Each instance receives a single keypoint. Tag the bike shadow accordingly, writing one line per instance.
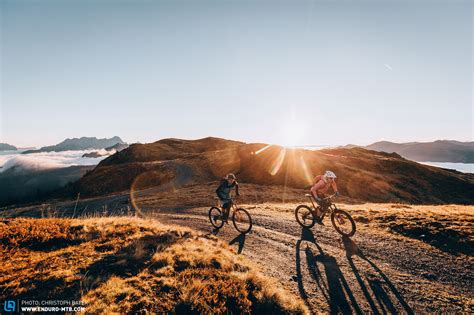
(383, 290)
(329, 278)
(240, 240)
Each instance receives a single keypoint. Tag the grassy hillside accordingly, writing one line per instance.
(363, 174)
(129, 265)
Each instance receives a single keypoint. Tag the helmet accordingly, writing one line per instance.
(330, 174)
(231, 176)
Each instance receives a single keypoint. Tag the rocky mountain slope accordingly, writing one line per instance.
(363, 174)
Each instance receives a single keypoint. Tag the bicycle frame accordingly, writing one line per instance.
(232, 208)
(328, 208)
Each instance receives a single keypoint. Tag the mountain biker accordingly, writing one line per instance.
(321, 186)
(223, 192)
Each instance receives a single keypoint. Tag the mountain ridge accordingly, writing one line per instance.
(7, 147)
(77, 144)
(363, 174)
(437, 151)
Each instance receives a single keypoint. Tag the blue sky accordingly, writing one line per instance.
(287, 72)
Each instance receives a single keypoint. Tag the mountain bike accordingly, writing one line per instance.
(341, 220)
(240, 217)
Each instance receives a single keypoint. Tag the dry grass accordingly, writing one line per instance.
(449, 228)
(129, 265)
(446, 227)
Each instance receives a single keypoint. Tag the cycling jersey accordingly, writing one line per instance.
(321, 186)
(223, 191)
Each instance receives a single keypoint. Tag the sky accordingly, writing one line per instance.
(281, 72)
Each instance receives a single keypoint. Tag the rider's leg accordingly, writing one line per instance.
(226, 206)
(314, 193)
(318, 208)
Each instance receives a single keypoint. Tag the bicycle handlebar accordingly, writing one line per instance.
(330, 197)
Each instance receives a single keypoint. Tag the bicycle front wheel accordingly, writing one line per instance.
(304, 216)
(343, 223)
(242, 220)
(215, 216)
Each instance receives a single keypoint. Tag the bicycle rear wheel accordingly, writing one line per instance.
(215, 216)
(242, 220)
(343, 222)
(304, 216)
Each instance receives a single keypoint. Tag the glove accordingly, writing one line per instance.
(337, 194)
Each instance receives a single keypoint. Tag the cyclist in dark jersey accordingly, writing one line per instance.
(223, 192)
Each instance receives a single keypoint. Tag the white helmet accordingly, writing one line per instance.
(330, 174)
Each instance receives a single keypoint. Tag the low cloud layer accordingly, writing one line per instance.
(49, 160)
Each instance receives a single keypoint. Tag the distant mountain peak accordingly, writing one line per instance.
(79, 144)
(7, 147)
(436, 151)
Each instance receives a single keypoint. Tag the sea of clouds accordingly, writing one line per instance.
(48, 160)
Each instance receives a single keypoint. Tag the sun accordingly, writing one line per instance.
(293, 132)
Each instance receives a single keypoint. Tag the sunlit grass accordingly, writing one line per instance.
(128, 265)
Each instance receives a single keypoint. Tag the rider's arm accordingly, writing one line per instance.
(237, 189)
(334, 187)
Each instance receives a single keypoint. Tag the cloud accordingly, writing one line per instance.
(389, 67)
(49, 160)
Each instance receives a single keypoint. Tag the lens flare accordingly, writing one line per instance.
(263, 149)
(147, 184)
(308, 175)
(135, 190)
(278, 162)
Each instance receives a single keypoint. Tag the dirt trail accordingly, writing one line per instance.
(373, 272)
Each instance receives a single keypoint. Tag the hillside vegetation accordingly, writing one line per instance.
(19, 185)
(129, 265)
(363, 174)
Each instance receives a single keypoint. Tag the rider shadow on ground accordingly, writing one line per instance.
(240, 239)
(335, 289)
(379, 287)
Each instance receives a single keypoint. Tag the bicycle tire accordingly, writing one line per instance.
(348, 216)
(245, 213)
(213, 213)
(299, 209)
